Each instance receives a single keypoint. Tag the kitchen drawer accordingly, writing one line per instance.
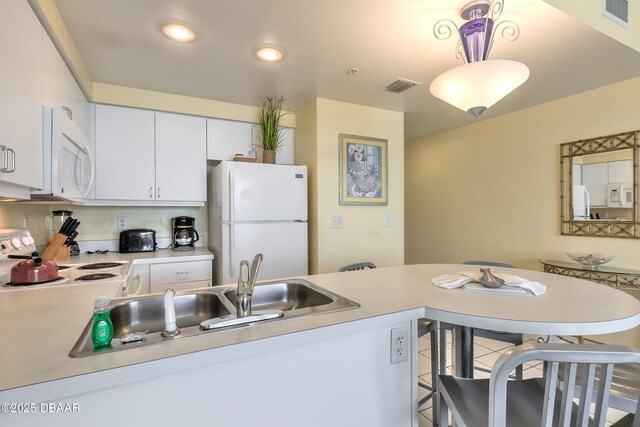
(181, 286)
(178, 272)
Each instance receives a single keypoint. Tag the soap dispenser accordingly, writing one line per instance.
(102, 330)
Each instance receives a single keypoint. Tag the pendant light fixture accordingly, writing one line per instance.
(480, 82)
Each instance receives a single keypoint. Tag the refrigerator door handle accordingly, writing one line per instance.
(232, 198)
(232, 250)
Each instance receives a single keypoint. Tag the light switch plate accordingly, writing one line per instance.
(388, 221)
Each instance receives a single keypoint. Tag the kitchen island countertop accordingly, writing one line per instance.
(40, 328)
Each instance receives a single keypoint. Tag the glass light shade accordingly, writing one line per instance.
(476, 86)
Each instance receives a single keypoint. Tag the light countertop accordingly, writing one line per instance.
(40, 328)
(159, 256)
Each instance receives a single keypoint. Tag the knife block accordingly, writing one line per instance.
(62, 256)
(56, 251)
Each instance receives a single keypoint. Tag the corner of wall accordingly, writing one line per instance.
(306, 153)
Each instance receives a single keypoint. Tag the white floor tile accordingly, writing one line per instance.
(492, 344)
(423, 421)
(424, 343)
(424, 364)
(614, 415)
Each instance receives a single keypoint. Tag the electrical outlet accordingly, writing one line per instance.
(25, 222)
(399, 345)
(336, 221)
(122, 223)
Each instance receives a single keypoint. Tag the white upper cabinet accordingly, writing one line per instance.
(226, 138)
(621, 172)
(125, 153)
(181, 167)
(60, 89)
(143, 155)
(21, 100)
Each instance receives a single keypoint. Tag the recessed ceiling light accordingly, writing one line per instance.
(270, 53)
(179, 32)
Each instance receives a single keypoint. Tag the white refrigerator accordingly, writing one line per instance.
(258, 208)
(580, 203)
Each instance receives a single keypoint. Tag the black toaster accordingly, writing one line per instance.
(138, 240)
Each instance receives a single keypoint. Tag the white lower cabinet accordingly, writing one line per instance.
(181, 276)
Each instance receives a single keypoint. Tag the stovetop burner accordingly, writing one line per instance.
(63, 267)
(100, 265)
(33, 283)
(96, 276)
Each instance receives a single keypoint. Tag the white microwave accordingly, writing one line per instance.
(620, 195)
(67, 159)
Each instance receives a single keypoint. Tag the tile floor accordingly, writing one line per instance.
(486, 352)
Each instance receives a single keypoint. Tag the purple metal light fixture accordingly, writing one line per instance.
(480, 82)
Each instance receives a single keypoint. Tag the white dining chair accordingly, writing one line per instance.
(535, 402)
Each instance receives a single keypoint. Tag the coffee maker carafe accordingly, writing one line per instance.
(185, 235)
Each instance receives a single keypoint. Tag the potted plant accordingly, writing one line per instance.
(271, 135)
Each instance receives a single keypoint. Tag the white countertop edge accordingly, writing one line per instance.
(533, 328)
(107, 378)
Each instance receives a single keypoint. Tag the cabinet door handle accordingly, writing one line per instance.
(5, 159)
(151, 192)
(13, 160)
(158, 192)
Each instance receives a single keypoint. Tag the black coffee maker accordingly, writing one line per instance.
(185, 235)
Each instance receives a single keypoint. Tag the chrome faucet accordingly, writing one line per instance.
(170, 328)
(244, 314)
(245, 287)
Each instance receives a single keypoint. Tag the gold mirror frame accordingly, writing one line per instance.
(597, 228)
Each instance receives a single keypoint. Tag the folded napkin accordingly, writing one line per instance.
(450, 281)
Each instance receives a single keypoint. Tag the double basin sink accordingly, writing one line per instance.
(294, 297)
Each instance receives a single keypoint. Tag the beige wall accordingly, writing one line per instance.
(363, 236)
(306, 153)
(162, 101)
(590, 13)
(491, 190)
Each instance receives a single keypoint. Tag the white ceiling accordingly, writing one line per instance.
(121, 43)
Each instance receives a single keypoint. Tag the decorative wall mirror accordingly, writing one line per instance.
(599, 186)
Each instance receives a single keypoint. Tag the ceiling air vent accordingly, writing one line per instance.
(617, 11)
(401, 85)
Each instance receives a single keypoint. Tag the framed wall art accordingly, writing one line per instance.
(363, 171)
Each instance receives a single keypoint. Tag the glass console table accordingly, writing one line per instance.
(616, 277)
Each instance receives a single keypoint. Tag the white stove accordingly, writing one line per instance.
(20, 242)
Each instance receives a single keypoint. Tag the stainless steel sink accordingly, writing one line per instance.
(146, 314)
(295, 298)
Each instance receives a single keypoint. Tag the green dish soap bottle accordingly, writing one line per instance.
(102, 330)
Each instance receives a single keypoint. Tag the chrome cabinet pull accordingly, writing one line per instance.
(158, 192)
(5, 159)
(13, 160)
(151, 192)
